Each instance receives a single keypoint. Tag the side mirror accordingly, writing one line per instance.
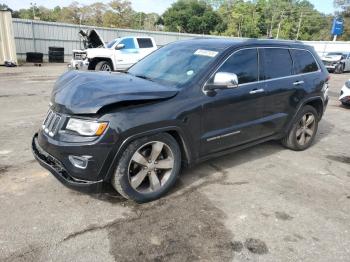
(119, 46)
(223, 80)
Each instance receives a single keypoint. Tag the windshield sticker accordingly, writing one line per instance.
(203, 52)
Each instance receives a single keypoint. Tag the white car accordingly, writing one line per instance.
(337, 62)
(345, 94)
(117, 55)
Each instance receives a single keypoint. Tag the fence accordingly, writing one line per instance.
(37, 36)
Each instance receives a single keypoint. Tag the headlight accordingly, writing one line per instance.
(86, 128)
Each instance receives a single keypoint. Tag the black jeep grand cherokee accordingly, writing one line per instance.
(184, 103)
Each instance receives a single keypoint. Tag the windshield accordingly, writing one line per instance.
(335, 53)
(110, 44)
(174, 64)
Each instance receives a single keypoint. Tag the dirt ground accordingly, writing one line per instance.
(261, 204)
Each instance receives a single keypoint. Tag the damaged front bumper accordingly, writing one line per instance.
(60, 172)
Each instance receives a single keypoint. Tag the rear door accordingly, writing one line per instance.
(306, 67)
(145, 45)
(281, 88)
(233, 116)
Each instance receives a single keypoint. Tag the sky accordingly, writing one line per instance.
(147, 6)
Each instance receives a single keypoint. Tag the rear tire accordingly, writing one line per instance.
(303, 131)
(103, 66)
(148, 168)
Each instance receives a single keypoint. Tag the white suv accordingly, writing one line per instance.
(117, 55)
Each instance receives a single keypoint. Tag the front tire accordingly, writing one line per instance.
(103, 66)
(339, 69)
(148, 168)
(303, 130)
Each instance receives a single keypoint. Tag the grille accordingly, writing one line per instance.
(51, 123)
(327, 63)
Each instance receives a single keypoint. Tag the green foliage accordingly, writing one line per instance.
(191, 16)
(287, 19)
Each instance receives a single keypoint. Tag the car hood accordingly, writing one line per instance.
(77, 92)
(332, 58)
(92, 39)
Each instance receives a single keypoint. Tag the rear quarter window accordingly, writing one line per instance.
(304, 62)
(275, 63)
(145, 42)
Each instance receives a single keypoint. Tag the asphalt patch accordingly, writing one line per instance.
(341, 159)
(256, 246)
(283, 216)
(4, 169)
(237, 246)
(185, 228)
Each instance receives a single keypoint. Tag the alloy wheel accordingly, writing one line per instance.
(105, 67)
(306, 129)
(150, 167)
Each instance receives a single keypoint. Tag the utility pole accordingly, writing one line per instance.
(299, 25)
(33, 5)
(279, 25)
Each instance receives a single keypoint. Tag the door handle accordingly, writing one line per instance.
(298, 83)
(256, 91)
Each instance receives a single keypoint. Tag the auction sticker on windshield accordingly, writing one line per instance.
(203, 52)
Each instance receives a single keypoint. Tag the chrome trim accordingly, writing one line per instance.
(265, 80)
(84, 159)
(298, 83)
(51, 123)
(257, 91)
(223, 136)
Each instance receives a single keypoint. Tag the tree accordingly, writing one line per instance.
(191, 16)
(120, 14)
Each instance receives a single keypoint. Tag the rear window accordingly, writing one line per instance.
(304, 62)
(275, 62)
(144, 42)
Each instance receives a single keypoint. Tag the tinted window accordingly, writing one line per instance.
(144, 42)
(244, 64)
(275, 62)
(128, 43)
(304, 62)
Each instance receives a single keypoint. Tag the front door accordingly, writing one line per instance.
(128, 55)
(233, 116)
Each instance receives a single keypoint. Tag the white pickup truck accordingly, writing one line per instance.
(117, 55)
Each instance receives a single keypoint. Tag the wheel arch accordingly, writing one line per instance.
(176, 132)
(93, 62)
(316, 102)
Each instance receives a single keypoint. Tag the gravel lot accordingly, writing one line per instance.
(261, 204)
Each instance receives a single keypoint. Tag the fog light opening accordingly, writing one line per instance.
(79, 161)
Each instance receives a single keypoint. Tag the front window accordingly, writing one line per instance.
(244, 64)
(128, 43)
(111, 44)
(174, 64)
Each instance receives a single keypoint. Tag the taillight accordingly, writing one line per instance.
(328, 78)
